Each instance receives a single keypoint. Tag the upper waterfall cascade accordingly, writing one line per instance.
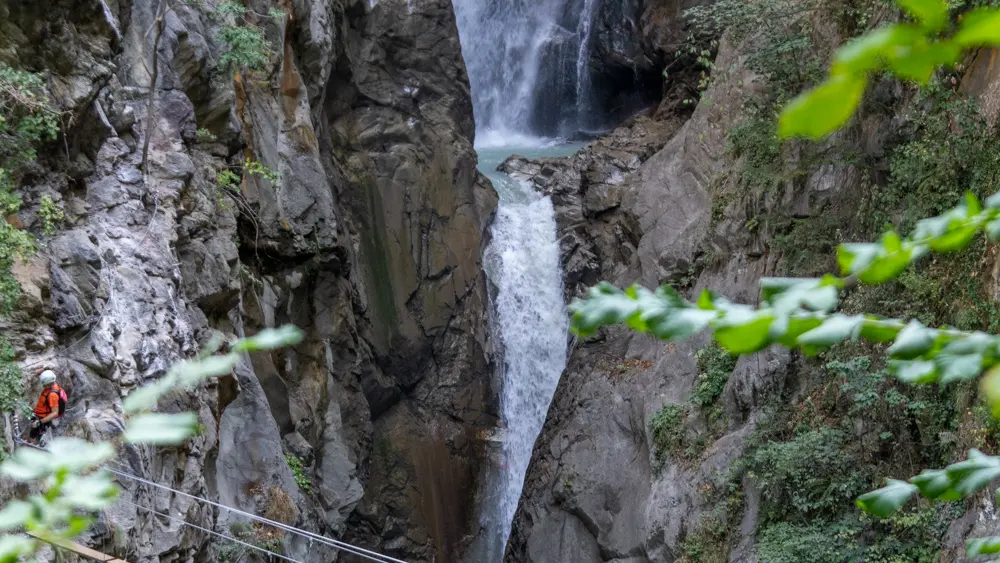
(530, 65)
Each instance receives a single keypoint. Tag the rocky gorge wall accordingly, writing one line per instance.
(672, 452)
(369, 239)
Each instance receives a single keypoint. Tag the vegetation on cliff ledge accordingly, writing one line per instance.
(27, 118)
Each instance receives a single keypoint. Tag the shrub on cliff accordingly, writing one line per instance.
(27, 117)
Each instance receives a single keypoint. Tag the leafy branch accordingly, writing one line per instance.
(73, 481)
(955, 482)
(798, 313)
(912, 51)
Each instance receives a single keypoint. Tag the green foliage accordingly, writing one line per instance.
(695, 447)
(15, 244)
(11, 379)
(784, 54)
(985, 427)
(847, 422)
(818, 541)
(908, 537)
(667, 426)
(912, 535)
(715, 366)
(204, 136)
(670, 437)
(299, 472)
(256, 168)
(27, 117)
(856, 16)
(741, 19)
(755, 140)
(813, 473)
(708, 539)
(878, 398)
(806, 245)
(949, 147)
(950, 150)
(69, 474)
(798, 312)
(911, 50)
(950, 290)
(778, 41)
(247, 46)
(51, 215)
(707, 543)
(230, 179)
(951, 153)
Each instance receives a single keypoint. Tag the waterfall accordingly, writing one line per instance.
(528, 63)
(530, 320)
(528, 66)
(583, 80)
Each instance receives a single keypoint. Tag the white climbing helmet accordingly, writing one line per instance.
(48, 377)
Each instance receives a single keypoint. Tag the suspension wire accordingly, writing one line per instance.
(361, 552)
(343, 546)
(214, 533)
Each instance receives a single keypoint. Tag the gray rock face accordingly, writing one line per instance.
(618, 56)
(369, 239)
(632, 42)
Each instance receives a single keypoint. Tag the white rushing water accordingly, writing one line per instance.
(528, 67)
(584, 103)
(530, 321)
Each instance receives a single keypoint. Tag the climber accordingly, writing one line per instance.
(51, 405)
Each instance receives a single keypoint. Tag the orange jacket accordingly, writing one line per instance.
(48, 401)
